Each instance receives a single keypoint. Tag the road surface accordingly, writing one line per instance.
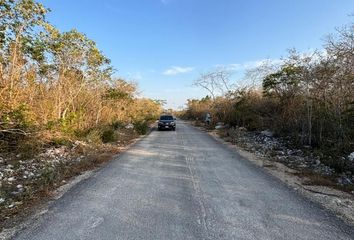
(184, 185)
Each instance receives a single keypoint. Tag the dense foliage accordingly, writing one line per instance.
(58, 81)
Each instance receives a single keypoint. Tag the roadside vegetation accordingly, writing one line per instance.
(59, 102)
(305, 100)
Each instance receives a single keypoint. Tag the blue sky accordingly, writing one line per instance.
(165, 44)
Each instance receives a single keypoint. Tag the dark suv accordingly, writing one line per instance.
(166, 122)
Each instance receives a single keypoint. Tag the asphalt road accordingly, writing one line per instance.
(184, 185)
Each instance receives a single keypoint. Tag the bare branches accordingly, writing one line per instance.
(256, 75)
(14, 131)
(215, 82)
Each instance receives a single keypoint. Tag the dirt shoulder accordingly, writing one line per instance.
(318, 187)
(29, 187)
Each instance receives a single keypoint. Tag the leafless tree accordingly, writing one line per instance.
(216, 82)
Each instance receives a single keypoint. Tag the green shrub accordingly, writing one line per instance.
(62, 141)
(48, 175)
(141, 127)
(19, 117)
(108, 135)
(117, 125)
(50, 125)
(94, 136)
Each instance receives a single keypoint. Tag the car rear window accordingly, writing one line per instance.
(166, 118)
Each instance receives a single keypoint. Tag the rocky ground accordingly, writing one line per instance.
(25, 182)
(265, 144)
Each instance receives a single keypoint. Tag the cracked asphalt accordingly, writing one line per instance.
(183, 185)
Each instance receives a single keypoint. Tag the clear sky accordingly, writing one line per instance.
(165, 44)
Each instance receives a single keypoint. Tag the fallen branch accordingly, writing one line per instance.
(14, 131)
(7, 123)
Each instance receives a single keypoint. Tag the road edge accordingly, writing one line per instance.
(43, 207)
(333, 203)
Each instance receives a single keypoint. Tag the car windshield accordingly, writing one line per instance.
(166, 118)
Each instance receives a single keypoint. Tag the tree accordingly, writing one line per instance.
(18, 42)
(57, 80)
(215, 82)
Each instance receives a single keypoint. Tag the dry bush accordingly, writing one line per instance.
(58, 82)
(308, 98)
